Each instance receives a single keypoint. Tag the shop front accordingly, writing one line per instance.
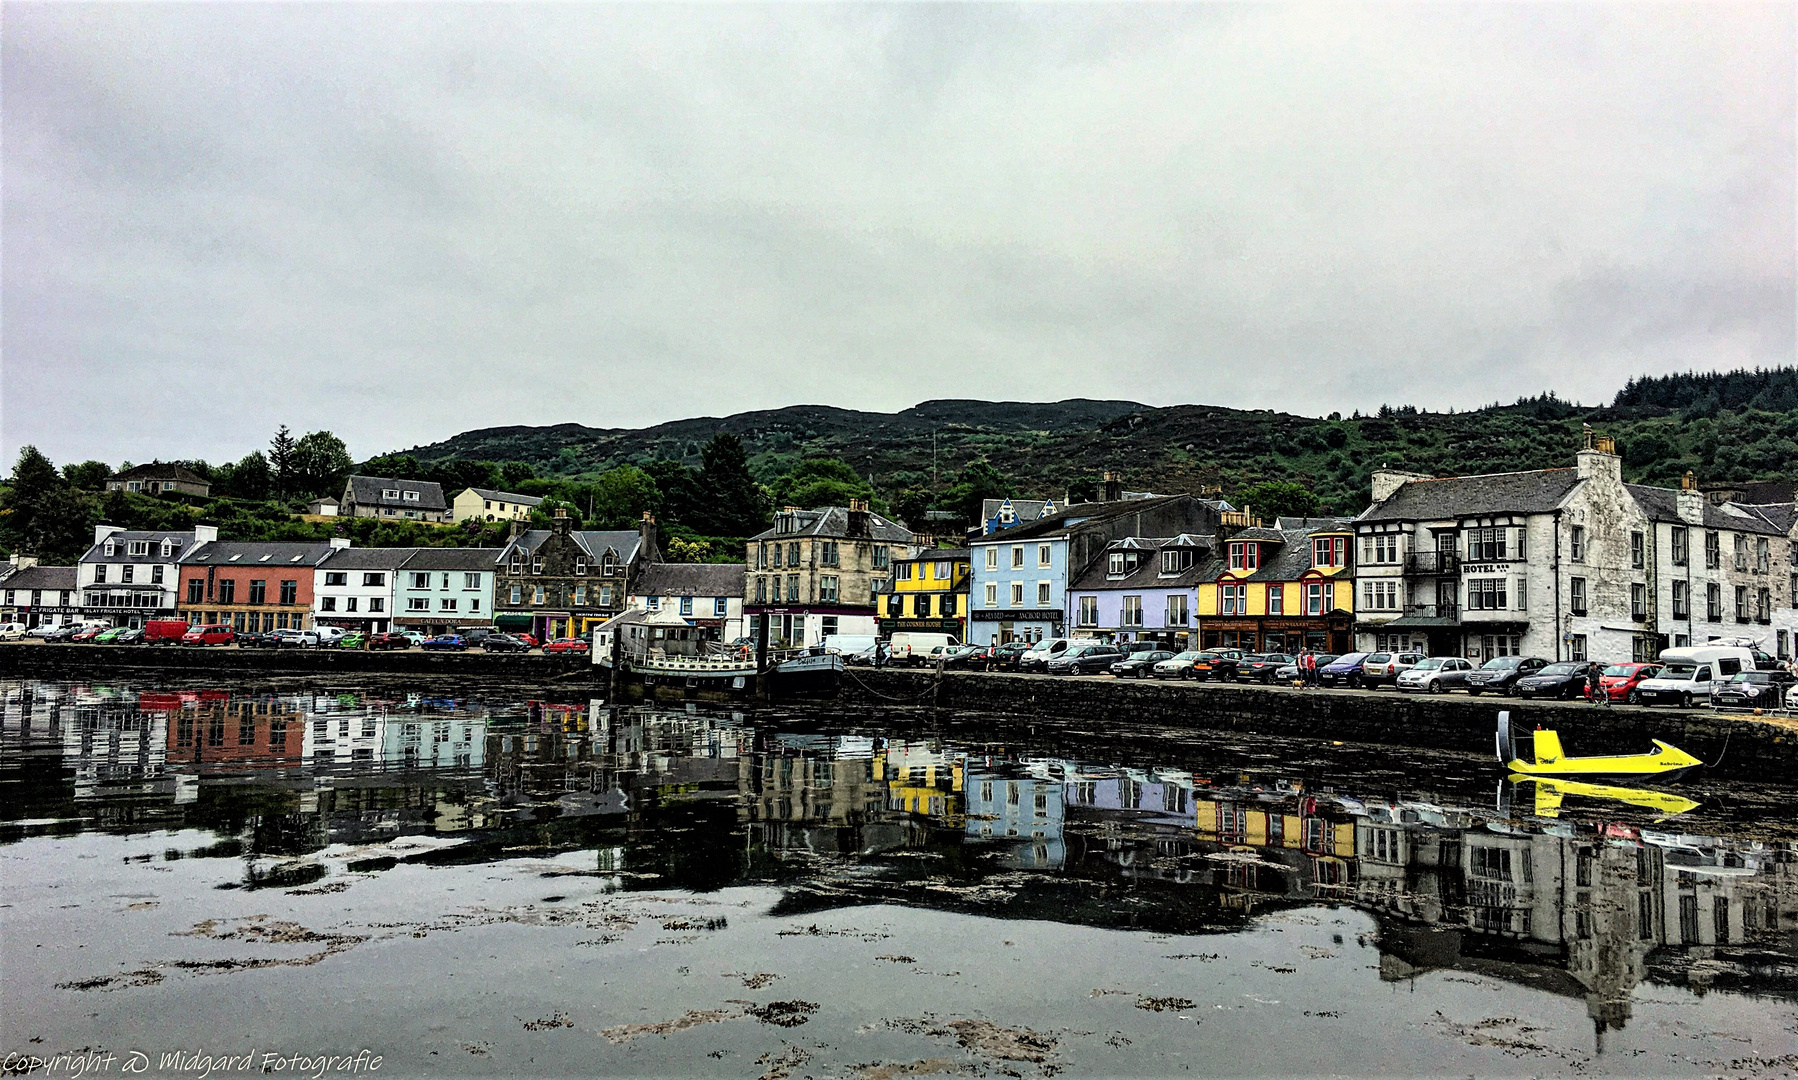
(1332, 633)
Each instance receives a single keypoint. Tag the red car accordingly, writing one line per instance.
(530, 640)
(217, 634)
(1620, 680)
(567, 645)
(88, 635)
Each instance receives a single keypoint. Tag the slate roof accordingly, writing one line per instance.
(250, 553)
(47, 578)
(507, 496)
(832, 523)
(690, 579)
(159, 470)
(97, 553)
(1026, 510)
(938, 555)
(593, 541)
(1294, 557)
(1147, 574)
(353, 558)
(466, 559)
(366, 491)
(1063, 520)
(1534, 492)
(1662, 504)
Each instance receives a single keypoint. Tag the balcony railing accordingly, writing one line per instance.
(1432, 562)
(1433, 611)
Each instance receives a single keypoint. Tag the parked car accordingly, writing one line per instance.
(1383, 669)
(393, 639)
(1085, 660)
(1290, 672)
(355, 639)
(418, 638)
(564, 645)
(211, 634)
(1436, 675)
(1345, 670)
(330, 636)
(504, 643)
(1619, 681)
(475, 635)
(1138, 665)
(109, 635)
(1004, 656)
(1265, 667)
(1751, 690)
(531, 639)
(1217, 664)
(165, 631)
(89, 634)
(12, 631)
(446, 643)
(65, 632)
(257, 640)
(1565, 680)
(1680, 682)
(914, 649)
(129, 635)
(1176, 666)
(964, 656)
(294, 638)
(1500, 674)
(1037, 656)
(43, 630)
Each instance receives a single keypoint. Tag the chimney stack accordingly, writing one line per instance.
(858, 517)
(1689, 502)
(562, 524)
(646, 529)
(1114, 487)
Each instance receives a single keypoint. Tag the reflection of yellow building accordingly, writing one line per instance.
(922, 781)
(930, 594)
(1236, 823)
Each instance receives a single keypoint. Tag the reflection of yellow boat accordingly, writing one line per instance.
(1550, 793)
(1551, 760)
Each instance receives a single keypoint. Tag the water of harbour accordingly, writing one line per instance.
(499, 884)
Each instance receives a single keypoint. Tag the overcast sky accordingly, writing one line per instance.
(404, 222)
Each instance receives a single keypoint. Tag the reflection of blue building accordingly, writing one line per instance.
(1028, 808)
(1134, 789)
(433, 742)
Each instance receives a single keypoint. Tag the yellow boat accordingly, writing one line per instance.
(1552, 760)
(1551, 793)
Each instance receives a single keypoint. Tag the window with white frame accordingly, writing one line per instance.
(1176, 560)
(686, 606)
(902, 571)
(1320, 598)
(1244, 555)
(1042, 594)
(423, 603)
(1682, 601)
(1176, 609)
(1017, 556)
(992, 594)
(1017, 594)
(1042, 554)
(517, 596)
(1276, 600)
(827, 589)
(992, 558)
(1380, 595)
(1488, 594)
(1232, 599)
(421, 581)
(1329, 550)
(1576, 595)
(536, 564)
(1115, 564)
(537, 595)
(1638, 600)
(374, 580)
(1132, 612)
(1089, 611)
(720, 606)
(138, 548)
(580, 595)
(1576, 543)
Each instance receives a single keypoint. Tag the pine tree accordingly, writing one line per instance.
(733, 503)
(280, 460)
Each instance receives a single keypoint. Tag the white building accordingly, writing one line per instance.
(127, 578)
(709, 596)
(354, 588)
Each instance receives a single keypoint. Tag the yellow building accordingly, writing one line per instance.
(483, 504)
(1279, 589)
(929, 593)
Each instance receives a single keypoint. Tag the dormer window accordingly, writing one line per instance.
(410, 496)
(580, 564)
(111, 549)
(536, 564)
(168, 548)
(1329, 551)
(1176, 560)
(1116, 569)
(1245, 555)
(610, 566)
(139, 548)
(517, 566)
(390, 493)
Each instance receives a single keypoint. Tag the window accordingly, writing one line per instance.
(448, 603)
(537, 594)
(390, 493)
(1276, 600)
(516, 598)
(1176, 610)
(827, 553)
(1713, 551)
(327, 603)
(827, 592)
(1576, 543)
(1682, 601)
(1017, 594)
(720, 606)
(112, 549)
(778, 550)
(895, 606)
(1741, 550)
(375, 603)
(196, 590)
(1017, 556)
(1741, 603)
(902, 572)
(100, 574)
(992, 594)
(1244, 555)
(228, 591)
(1763, 555)
(1132, 615)
(1576, 596)
(761, 590)
(1042, 594)
(128, 574)
(409, 496)
(1042, 554)
(1763, 605)
(580, 565)
(423, 603)
(1678, 543)
(793, 553)
(921, 606)
(1577, 650)
(421, 581)
(349, 603)
(1489, 594)
(536, 564)
(944, 571)
(1115, 564)
(138, 549)
(1380, 548)
(1487, 545)
(470, 582)
(1329, 550)
(1713, 602)
(1232, 599)
(1785, 649)
(516, 566)
(258, 591)
(1320, 599)
(156, 574)
(336, 579)
(1176, 560)
(761, 557)
(1638, 601)
(1638, 550)
(580, 596)
(992, 558)
(1380, 595)
(792, 588)
(652, 603)
(881, 557)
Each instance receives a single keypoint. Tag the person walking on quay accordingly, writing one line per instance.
(1595, 691)
(1308, 668)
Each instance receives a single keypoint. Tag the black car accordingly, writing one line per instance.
(1137, 664)
(1500, 674)
(1264, 667)
(64, 632)
(1565, 680)
(256, 640)
(966, 657)
(1084, 660)
(1004, 657)
(1224, 666)
(1752, 690)
(503, 643)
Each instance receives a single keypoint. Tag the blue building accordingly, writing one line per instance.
(1020, 576)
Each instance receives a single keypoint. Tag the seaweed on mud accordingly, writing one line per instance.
(922, 1067)
(557, 1019)
(781, 1067)
(1164, 1004)
(692, 1018)
(782, 1013)
(1011, 1044)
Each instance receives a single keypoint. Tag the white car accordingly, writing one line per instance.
(1037, 657)
(1681, 682)
(1175, 667)
(1435, 674)
(297, 639)
(12, 631)
(328, 635)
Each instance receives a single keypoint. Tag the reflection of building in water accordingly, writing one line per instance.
(922, 779)
(1003, 804)
(114, 747)
(350, 731)
(1277, 843)
(214, 728)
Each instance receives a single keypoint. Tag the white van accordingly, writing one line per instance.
(850, 644)
(1037, 657)
(910, 648)
(12, 631)
(1687, 674)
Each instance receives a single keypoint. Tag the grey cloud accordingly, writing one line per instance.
(401, 222)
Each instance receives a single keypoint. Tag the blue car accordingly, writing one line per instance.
(1345, 670)
(449, 642)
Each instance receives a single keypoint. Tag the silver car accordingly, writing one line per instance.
(1436, 675)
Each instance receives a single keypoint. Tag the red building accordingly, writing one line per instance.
(258, 586)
